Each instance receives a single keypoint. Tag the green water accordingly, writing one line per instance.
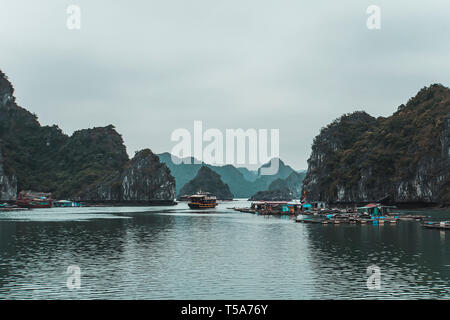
(176, 253)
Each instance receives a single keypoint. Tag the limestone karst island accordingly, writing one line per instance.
(224, 159)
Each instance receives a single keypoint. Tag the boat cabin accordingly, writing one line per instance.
(318, 204)
(202, 200)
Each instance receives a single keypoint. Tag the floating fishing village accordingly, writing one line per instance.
(317, 213)
(302, 211)
(36, 200)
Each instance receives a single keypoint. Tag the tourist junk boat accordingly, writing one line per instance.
(202, 200)
(29, 199)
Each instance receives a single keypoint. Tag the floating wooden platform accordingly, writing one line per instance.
(348, 220)
(247, 210)
(309, 220)
(411, 217)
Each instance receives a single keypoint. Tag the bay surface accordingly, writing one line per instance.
(178, 253)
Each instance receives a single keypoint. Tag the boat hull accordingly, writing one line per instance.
(202, 205)
(34, 204)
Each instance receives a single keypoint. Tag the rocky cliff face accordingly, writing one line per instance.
(295, 183)
(282, 194)
(43, 158)
(403, 158)
(143, 178)
(87, 157)
(242, 182)
(282, 189)
(207, 180)
(8, 183)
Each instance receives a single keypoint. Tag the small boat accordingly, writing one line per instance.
(411, 217)
(246, 210)
(202, 200)
(310, 220)
(443, 225)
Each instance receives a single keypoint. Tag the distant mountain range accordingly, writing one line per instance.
(243, 183)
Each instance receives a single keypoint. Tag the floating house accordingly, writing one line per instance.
(375, 209)
(275, 207)
(66, 203)
(318, 204)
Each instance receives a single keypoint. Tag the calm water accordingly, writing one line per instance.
(175, 253)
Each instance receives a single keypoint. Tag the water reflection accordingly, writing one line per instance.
(177, 253)
(412, 260)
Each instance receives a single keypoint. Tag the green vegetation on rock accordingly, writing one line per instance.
(207, 180)
(43, 158)
(404, 157)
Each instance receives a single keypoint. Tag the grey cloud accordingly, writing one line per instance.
(149, 67)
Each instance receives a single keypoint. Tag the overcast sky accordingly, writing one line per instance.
(149, 67)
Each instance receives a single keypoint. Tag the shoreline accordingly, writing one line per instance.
(114, 203)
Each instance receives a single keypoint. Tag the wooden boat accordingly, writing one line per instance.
(308, 220)
(246, 210)
(202, 200)
(411, 217)
(443, 225)
(29, 199)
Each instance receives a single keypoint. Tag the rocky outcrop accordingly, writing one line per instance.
(207, 180)
(403, 158)
(43, 158)
(144, 178)
(242, 182)
(87, 157)
(8, 183)
(294, 183)
(282, 189)
(282, 194)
